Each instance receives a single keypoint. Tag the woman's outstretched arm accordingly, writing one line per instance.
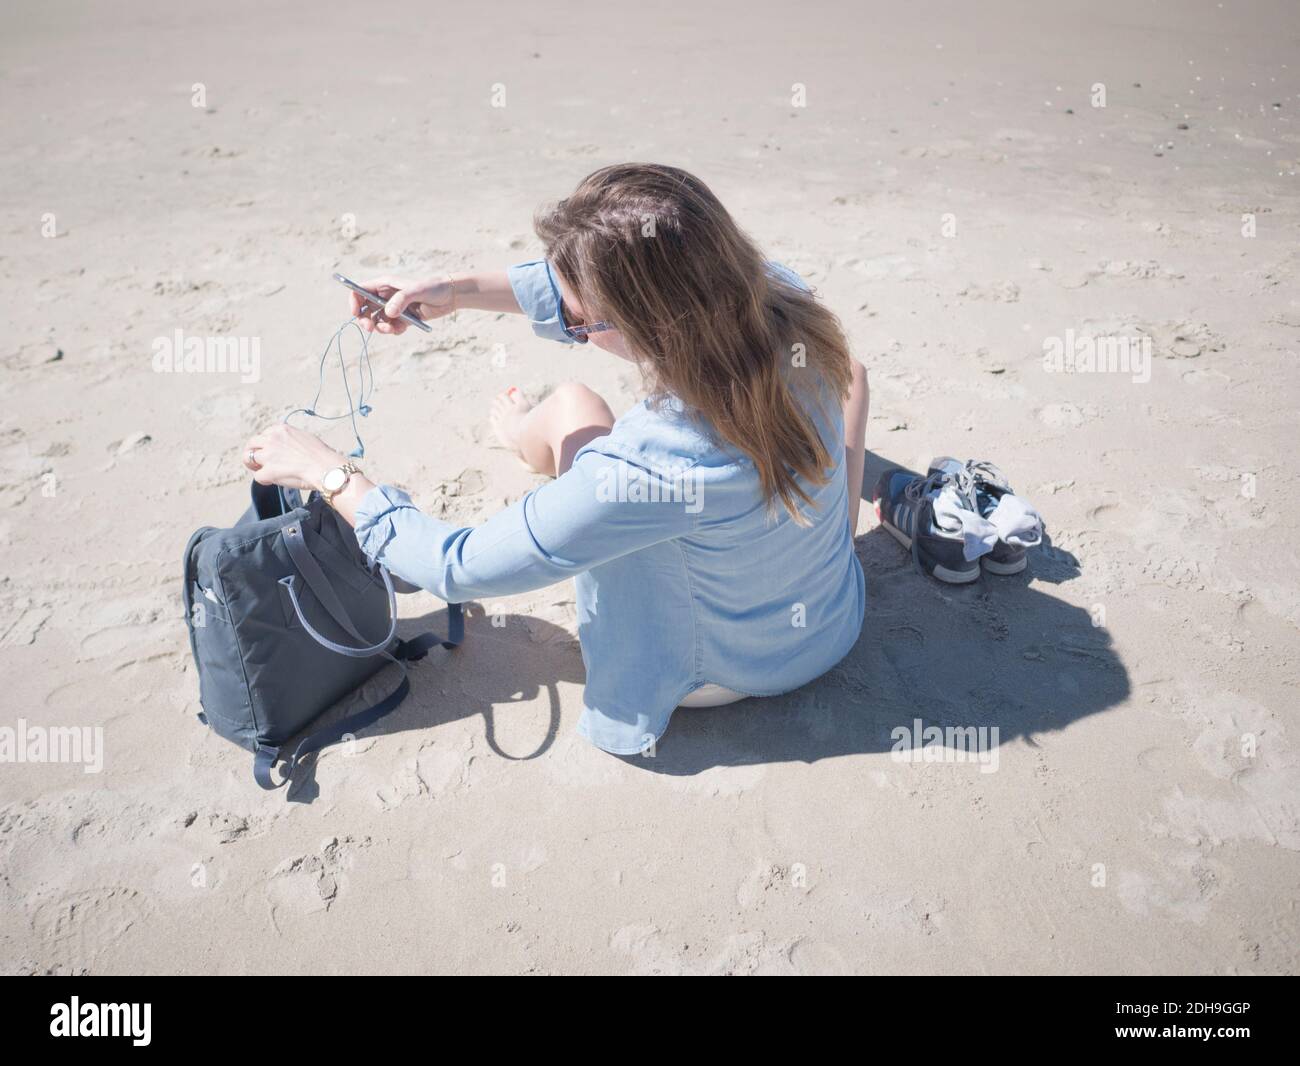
(528, 288)
(602, 507)
(433, 297)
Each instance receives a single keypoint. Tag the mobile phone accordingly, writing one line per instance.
(373, 298)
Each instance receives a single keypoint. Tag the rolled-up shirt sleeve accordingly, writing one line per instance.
(539, 298)
(578, 521)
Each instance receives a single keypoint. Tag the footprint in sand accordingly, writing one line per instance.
(1206, 377)
(1184, 889)
(816, 958)
(77, 927)
(651, 953)
(225, 827)
(1185, 339)
(469, 482)
(1243, 744)
(440, 767)
(309, 884)
(905, 649)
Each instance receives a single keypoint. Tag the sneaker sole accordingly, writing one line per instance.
(951, 577)
(1003, 569)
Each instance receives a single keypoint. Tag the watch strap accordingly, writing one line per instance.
(349, 468)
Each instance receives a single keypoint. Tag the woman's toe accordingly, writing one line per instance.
(508, 410)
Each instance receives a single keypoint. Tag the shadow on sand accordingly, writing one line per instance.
(498, 667)
(999, 652)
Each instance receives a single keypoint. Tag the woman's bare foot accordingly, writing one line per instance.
(509, 409)
(546, 438)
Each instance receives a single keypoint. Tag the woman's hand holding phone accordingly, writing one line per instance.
(431, 298)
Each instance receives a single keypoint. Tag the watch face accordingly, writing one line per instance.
(334, 479)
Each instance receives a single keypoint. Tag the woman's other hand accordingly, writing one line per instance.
(428, 299)
(288, 456)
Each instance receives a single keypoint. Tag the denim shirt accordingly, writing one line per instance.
(682, 573)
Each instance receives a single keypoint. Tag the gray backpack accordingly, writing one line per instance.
(286, 616)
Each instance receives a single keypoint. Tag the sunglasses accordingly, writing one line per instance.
(578, 330)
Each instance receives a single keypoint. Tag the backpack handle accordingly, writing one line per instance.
(319, 584)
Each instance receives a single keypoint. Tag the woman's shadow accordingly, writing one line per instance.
(998, 653)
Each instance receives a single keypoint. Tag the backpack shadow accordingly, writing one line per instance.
(504, 661)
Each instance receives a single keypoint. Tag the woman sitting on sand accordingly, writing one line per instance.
(710, 529)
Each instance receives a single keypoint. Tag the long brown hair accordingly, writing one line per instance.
(652, 251)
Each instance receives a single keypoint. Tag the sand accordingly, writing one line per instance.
(952, 192)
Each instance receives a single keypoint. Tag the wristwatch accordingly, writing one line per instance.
(335, 481)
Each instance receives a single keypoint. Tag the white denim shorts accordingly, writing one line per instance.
(711, 695)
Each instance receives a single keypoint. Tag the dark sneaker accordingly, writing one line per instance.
(984, 484)
(905, 508)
